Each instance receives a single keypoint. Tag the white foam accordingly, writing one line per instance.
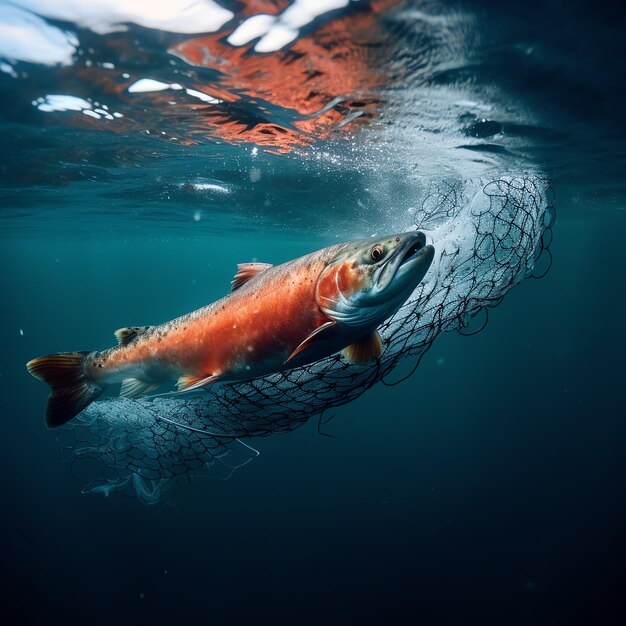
(106, 16)
(303, 12)
(252, 28)
(148, 84)
(202, 96)
(276, 32)
(278, 37)
(57, 102)
(27, 37)
(62, 102)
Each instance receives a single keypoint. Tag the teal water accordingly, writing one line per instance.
(485, 489)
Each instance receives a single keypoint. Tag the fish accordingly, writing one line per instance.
(276, 317)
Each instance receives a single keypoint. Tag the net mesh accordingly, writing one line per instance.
(487, 237)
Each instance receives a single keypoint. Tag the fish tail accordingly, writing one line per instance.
(72, 390)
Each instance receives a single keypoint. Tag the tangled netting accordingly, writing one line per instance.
(487, 238)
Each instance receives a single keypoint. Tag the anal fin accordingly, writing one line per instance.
(365, 350)
(187, 383)
(133, 387)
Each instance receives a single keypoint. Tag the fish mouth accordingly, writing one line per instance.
(415, 249)
(407, 266)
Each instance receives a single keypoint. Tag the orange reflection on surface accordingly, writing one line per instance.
(328, 80)
(292, 88)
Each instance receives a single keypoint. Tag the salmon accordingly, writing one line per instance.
(275, 318)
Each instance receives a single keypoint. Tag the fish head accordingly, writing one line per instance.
(368, 280)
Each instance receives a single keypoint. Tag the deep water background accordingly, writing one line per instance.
(487, 489)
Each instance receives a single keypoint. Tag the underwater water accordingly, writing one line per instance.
(149, 148)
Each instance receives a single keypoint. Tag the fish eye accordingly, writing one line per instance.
(377, 253)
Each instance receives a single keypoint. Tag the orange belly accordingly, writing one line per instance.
(250, 332)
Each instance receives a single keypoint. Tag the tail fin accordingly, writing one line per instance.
(72, 391)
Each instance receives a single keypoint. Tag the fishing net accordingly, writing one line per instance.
(487, 237)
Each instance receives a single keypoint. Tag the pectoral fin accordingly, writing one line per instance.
(366, 349)
(324, 331)
(246, 271)
(187, 383)
(133, 387)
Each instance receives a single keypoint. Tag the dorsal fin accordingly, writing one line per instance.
(245, 271)
(127, 334)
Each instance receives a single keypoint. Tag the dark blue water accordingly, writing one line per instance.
(486, 489)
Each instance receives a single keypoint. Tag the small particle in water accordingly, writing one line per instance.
(440, 361)
(197, 216)
(255, 174)
(125, 75)
(107, 66)
(141, 595)
(255, 151)
(21, 332)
